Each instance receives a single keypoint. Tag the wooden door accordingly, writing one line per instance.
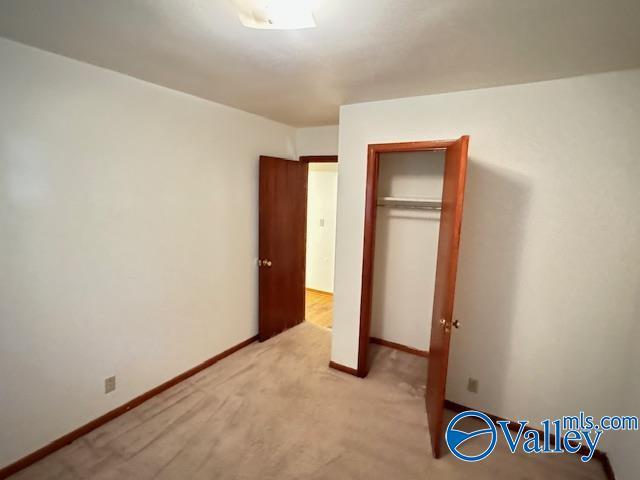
(445, 285)
(282, 244)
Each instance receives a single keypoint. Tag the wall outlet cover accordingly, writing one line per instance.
(472, 385)
(109, 384)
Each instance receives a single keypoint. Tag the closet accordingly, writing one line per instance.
(412, 226)
(407, 225)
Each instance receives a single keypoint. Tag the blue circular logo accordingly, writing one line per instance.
(456, 438)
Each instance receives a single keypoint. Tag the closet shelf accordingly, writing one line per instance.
(412, 203)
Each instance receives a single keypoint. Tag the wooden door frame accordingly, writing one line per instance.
(366, 295)
(313, 159)
(319, 158)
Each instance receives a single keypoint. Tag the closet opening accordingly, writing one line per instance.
(413, 217)
(406, 242)
(322, 191)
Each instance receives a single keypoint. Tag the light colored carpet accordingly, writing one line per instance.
(276, 411)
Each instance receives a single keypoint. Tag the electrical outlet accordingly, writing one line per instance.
(109, 384)
(472, 385)
(322, 222)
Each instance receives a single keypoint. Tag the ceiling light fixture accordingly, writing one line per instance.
(276, 14)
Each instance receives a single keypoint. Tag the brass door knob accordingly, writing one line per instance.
(445, 324)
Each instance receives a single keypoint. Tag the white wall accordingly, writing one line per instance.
(317, 140)
(406, 249)
(623, 449)
(550, 265)
(128, 217)
(321, 225)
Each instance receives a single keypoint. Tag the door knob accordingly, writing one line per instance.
(259, 262)
(445, 324)
(268, 264)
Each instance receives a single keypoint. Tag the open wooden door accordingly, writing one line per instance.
(282, 244)
(448, 245)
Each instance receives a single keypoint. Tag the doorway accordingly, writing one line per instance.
(449, 205)
(406, 245)
(282, 257)
(322, 192)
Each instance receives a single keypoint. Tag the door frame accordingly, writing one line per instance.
(366, 295)
(313, 159)
(319, 158)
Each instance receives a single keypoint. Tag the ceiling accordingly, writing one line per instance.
(362, 50)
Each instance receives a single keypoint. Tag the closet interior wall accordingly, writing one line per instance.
(406, 248)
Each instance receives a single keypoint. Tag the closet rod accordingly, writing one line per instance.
(413, 203)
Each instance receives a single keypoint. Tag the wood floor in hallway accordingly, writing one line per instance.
(319, 308)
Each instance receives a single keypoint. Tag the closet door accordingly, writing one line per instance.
(282, 244)
(447, 264)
